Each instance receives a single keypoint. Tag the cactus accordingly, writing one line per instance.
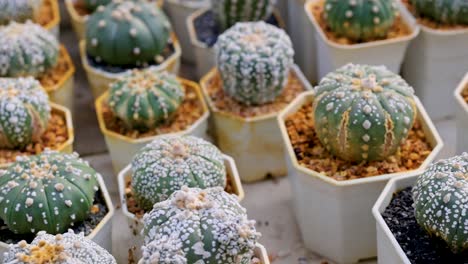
(171, 162)
(24, 112)
(18, 10)
(64, 248)
(92, 5)
(50, 192)
(27, 50)
(362, 112)
(361, 20)
(229, 12)
(441, 201)
(254, 60)
(199, 226)
(443, 11)
(143, 99)
(127, 33)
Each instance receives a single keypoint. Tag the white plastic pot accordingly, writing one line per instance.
(462, 117)
(389, 52)
(335, 216)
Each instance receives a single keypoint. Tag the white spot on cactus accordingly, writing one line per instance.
(102, 23)
(330, 106)
(29, 202)
(349, 13)
(366, 124)
(367, 109)
(447, 197)
(376, 20)
(136, 51)
(366, 138)
(10, 107)
(94, 42)
(407, 120)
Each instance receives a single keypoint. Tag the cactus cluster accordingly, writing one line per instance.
(362, 112)
(64, 248)
(360, 20)
(229, 12)
(171, 162)
(127, 33)
(199, 226)
(18, 10)
(443, 11)
(143, 99)
(27, 50)
(441, 201)
(24, 112)
(47, 192)
(254, 60)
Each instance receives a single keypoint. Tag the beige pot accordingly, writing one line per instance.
(462, 117)
(54, 25)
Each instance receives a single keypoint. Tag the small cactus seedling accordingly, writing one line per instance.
(199, 226)
(443, 11)
(360, 20)
(24, 112)
(18, 10)
(27, 50)
(143, 99)
(68, 248)
(48, 192)
(229, 12)
(254, 60)
(171, 162)
(127, 33)
(441, 201)
(363, 113)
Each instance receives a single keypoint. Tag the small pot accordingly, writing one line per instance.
(254, 142)
(462, 116)
(389, 52)
(54, 25)
(332, 214)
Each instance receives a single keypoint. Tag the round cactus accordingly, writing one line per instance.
(362, 112)
(229, 12)
(18, 10)
(49, 192)
(127, 33)
(27, 50)
(24, 112)
(143, 99)
(58, 249)
(443, 11)
(171, 162)
(92, 5)
(361, 20)
(254, 60)
(441, 201)
(199, 226)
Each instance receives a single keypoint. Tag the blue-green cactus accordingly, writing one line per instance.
(229, 12)
(18, 10)
(443, 11)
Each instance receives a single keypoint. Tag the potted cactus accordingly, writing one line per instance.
(429, 209)
(461, 97)
(125, 35)
(355, 31)
(438, 57)
(53, 192)
(361, 126)
(244, 101)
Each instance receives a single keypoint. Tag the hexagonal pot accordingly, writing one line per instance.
(389, 52)
(462, 116)
(335, 216)
(254, 142)
(54, 24)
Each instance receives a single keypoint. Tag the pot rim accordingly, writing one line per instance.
(67, 75)
(457, 93)
(55, 15)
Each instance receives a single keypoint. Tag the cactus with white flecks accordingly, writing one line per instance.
(92, 5)
(199, 226)
(254, 60)
(443, 11)
(363, 113)
(229, 12)
(441, 201)
(18, 10)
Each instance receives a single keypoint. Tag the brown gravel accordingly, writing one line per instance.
(54, 76)
(311, 154)
(399, 29)
(46, 13)
(429, 22)
(465, 94)
(226, 104)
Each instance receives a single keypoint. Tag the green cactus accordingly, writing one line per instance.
(254, 60)
(441, 201)
(229, 12)
(24, 112)
(199, 226)
(143, 99)
(360, 20)
(64, 248)
(27, 50)
(18, 10)
(362, 112)
(50, 192)
(171, 162)
(92, 5)
(443, 11)
(127, 33)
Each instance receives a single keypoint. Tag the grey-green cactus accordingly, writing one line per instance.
(441, 201)
(254, 60)
(27, 50)
(360, 20)
(199, 226)
(49, 192)
(92, 5)
(127, 33)
(362, 112)
(229, 12)
(143, 99)
(171, 162)
(67, 248)
(18, 10)
(443, 11)
(24, 112)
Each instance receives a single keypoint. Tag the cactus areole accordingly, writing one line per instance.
(229, 12)
(443, 11)
(362, 112)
